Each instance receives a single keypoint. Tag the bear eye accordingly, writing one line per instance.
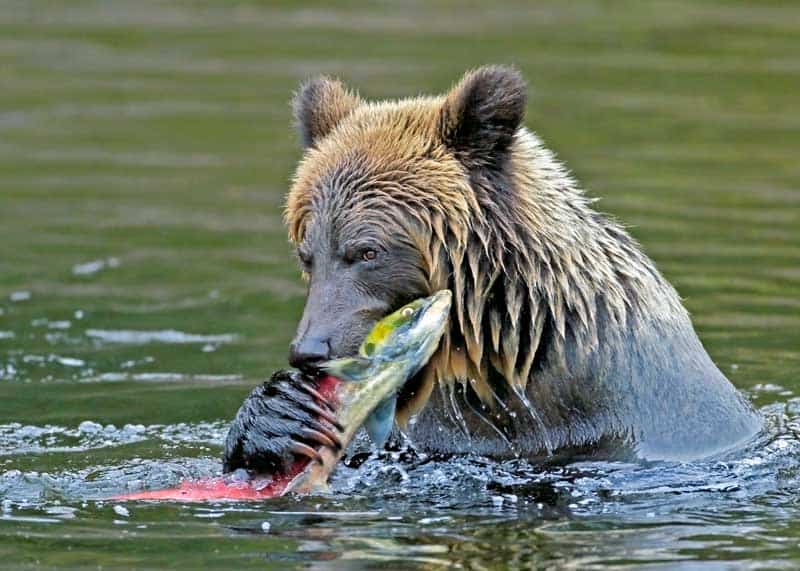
(362, 253)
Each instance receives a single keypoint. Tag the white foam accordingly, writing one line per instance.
(89, 268)
(18, 439)
(122, 511)
(116, 377)
(131, 337)
(67, 361)
(19, 296)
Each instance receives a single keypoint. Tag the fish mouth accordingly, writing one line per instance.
(423, 338)
(437, 311)
(313, 370)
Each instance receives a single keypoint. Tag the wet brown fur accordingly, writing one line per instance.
(506, 228)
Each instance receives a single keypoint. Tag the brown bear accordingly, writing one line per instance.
(564, 340)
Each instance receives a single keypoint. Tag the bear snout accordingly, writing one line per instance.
(308, 352)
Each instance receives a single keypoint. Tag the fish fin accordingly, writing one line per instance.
(348, 368)
(379, 423)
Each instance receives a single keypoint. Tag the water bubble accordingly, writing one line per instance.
(767, 388)
(67, 361)
(89, 427)
(134, 428)
(431, 520)
(122, 511)
(63, 512)
(8, 372)
(89, 268)
(170, 336)
(239, 475)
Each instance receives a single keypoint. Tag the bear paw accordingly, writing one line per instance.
(280, 421)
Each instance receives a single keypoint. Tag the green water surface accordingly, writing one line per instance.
(145, 148)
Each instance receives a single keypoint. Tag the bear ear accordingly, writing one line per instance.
(319, 105)
(481, 114)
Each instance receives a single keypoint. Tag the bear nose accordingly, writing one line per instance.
(309, 352)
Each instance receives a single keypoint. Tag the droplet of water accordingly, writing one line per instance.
(89, 427)
(17, 296)
(122, 511)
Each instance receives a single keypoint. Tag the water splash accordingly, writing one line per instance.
(537, 418)
(382, 502)
(19, 439)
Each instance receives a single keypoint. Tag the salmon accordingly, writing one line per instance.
(355, 391)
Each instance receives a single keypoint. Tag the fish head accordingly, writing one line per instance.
(396, 348)
(410, 335)
(404, 339)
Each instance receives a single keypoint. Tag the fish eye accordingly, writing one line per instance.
(407, 311)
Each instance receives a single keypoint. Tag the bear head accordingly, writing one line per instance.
(394, 200)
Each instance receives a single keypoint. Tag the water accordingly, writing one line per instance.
(146, 284)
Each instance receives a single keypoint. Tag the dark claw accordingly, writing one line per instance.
(317, 396)
(321, 436)
(330, 434)
(305, 450)
(279, 421)
(324, 414)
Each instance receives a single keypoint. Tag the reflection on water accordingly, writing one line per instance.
(411, 510)
(146, 284)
